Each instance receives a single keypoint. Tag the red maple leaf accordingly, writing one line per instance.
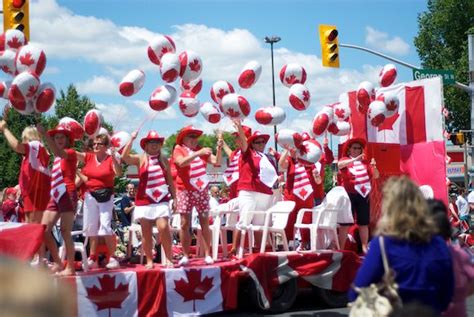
(339, 112)
(182, 105)
(6, 69)
(108, 296)
(232, 113)
(194, 289)
(303, 192)
(291, 79)
(156, 194)
(31, 91)
(221, 93)
(199, 183)
(305, 95)
(115, 142)
(229, 177)
(194, 66)
(26, 59)
(165, 50)
(388, 123)
(15, 43)
(56, 193)
(363, 189)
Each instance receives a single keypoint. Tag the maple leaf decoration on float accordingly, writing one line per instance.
(107, 296)
(194, 289)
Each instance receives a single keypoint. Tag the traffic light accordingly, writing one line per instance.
(457, 138)
(16, 15)
(329, 45)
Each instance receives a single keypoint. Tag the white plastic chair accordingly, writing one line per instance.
(335, 207)
(276, 218)
(133, 230)
(78, 247)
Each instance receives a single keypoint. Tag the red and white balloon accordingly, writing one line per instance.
(45, 97)
(132, 83)
(342, 111)
(191, 65)
(289, 139)
(392, 103)
(377, 113)
(162, 97)
(365, 95)
(235, 106)
(24, 87)
(219, 89)
(270, 115)
(309, 152)
(119, 140)
(387, 75)
(73, 126)
(188, 104)
(210, 112)
(170, 67)
(29, 109)
(159, 46)
(250, 74)
(299, 97)
(193, 86)
(12, 39)
(92, 122)
(291, 74)
(322, 120)
(340, 128)
(4, 87)
(31, 59)
(8, 62)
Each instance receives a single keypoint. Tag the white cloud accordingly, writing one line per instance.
(381, 41)
(98, 85)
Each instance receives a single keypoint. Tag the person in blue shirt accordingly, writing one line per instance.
(420, 258)
(127, 205)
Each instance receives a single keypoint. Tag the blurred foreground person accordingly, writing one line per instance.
(420, 258)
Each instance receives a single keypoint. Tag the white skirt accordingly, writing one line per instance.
(152, 212)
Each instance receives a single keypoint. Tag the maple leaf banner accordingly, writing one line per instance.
(193, 291)
(108, 294)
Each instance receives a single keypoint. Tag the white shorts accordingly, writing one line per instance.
(253, 201)
(97, 219)
(152, 212)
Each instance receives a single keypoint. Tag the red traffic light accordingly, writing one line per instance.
(18, 3)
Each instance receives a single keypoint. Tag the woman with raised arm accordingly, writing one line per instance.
(192, 186)
(63, 202)
(34, 177)
(257, 176)
(99, 171)
(154, 190)
(356, 173)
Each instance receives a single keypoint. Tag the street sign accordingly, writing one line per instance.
(446, 75)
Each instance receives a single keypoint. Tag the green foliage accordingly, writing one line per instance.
(205, 140)
(328, 178)
(442, 44)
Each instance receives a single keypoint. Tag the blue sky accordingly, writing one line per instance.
(93, 44)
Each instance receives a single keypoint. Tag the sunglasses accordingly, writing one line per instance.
(154, 142)
(259, 142)
(193, 136)
(356, 148)
(97, 143)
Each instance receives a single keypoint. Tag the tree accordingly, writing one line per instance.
(205, 140)
(442, 44)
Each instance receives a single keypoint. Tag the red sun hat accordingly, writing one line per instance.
(256, 135)
(349, 143)
(247, 131)
(185, 131)
(151, 135)
(64, 130)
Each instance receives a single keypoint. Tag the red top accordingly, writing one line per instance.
(182, 179)
(100, 174)
(326, 158)
(249, 169)
(68, 169)
(347, 179)
(31, 180)
(141, 198)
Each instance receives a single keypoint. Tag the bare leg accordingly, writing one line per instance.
(93, 242)
(35, 217)
(364, 237)
(342, 235)
(165, 237)
(184, 233)
(49, 219)
(67, 219)
(110, 242)
(147, 240)
(235, 241)
(206, 233)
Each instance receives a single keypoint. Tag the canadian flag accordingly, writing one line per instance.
(410, 142)
(20, 240)
(164, 292)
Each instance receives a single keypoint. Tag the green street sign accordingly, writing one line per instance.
(446, 75)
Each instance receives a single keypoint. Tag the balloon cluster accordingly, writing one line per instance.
(380, 106)
(25, 63)
(293, 76)
(333, 119)
(308, 150)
